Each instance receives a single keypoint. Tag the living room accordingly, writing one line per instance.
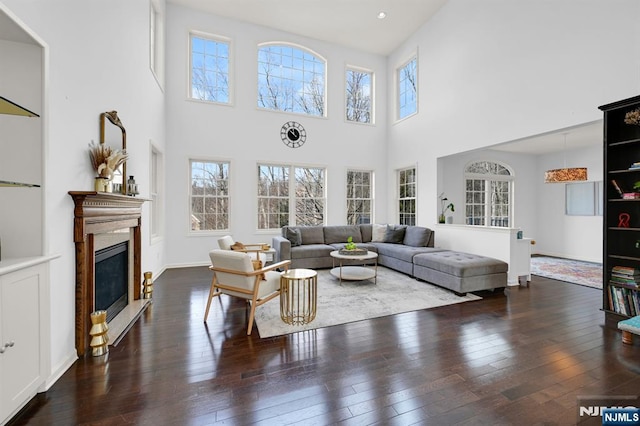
(490, 72)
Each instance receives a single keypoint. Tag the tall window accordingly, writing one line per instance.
(489, 188)
(290, 195)
(359, 196)
(359, 86)
(210, 68)
(156, 180)
(273, 196)
(291, 79)
(407, 196)
(209, 195)
(156, 41)
(407, 78)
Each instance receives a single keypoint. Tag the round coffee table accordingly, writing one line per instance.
(357, 272)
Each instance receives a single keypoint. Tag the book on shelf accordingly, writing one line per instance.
(626, 271)
(630, 195)
(624, 301)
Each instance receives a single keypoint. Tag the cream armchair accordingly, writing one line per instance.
(227, 241)
(233, 275)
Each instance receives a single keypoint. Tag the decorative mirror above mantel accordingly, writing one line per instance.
(121, 172)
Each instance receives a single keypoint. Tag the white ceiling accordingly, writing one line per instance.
(582, 136)
(351, 23)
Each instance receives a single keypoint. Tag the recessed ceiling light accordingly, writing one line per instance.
(382, 15)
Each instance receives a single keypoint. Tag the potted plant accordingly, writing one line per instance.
(444, 207)
(350, 248)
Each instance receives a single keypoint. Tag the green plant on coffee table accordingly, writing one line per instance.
(350, 244)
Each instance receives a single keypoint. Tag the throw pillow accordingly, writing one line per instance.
(417, 236)
(293, 235)
(378, 232)
(395, 234)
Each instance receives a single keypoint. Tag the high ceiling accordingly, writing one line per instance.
(351, 23)
(583, 136)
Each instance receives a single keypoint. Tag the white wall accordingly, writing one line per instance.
(573, 237)
(539, 208)
(98, 60)
(246, 136)
(452, 182)
(494, 71)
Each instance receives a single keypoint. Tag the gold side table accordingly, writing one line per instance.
(298, 296)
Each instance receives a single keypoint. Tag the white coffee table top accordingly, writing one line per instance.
(369, 255)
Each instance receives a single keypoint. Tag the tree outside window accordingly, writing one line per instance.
(291, 79)
(407, 77)
(359, 197)
(407, 196)
(290, 195)
(359, 87)
(210, 63)
(209, 195)
(489, 188)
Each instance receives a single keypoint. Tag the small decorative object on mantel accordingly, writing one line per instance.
(633, 117)
(350, 249)
(444, 207)
(105, 161)
(132, 186)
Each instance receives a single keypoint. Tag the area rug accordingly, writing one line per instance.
(572, 271)
(394, 293)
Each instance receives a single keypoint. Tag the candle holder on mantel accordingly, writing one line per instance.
(147, 286)
(99, 337)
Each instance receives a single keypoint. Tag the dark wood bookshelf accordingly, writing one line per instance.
(621, 220)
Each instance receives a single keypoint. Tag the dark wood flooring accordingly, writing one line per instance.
(519, 358)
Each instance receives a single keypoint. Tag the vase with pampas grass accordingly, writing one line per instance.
(105, 161)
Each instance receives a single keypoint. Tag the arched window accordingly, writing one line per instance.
(291, 79)
(489, 189)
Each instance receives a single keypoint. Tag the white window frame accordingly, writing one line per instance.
(157, 41)
(370, 199)
(190, 193)
(372, 90)
(487, 201)
(230, 70)
(156, 193)
(291, 192)
(400, 200)
(399, 93)
(304, 49)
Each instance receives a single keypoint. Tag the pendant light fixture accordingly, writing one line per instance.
(566, 174)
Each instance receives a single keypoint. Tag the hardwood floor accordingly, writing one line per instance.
(523, 359)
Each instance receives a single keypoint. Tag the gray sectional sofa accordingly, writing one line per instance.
(407, 249)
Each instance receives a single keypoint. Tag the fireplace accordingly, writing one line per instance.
(112, 279)
(107, 228)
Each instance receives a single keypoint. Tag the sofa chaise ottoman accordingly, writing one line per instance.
(460, 272)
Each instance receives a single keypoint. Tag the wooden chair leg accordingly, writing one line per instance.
(212, 294)
(252, 314)
(627, 337)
